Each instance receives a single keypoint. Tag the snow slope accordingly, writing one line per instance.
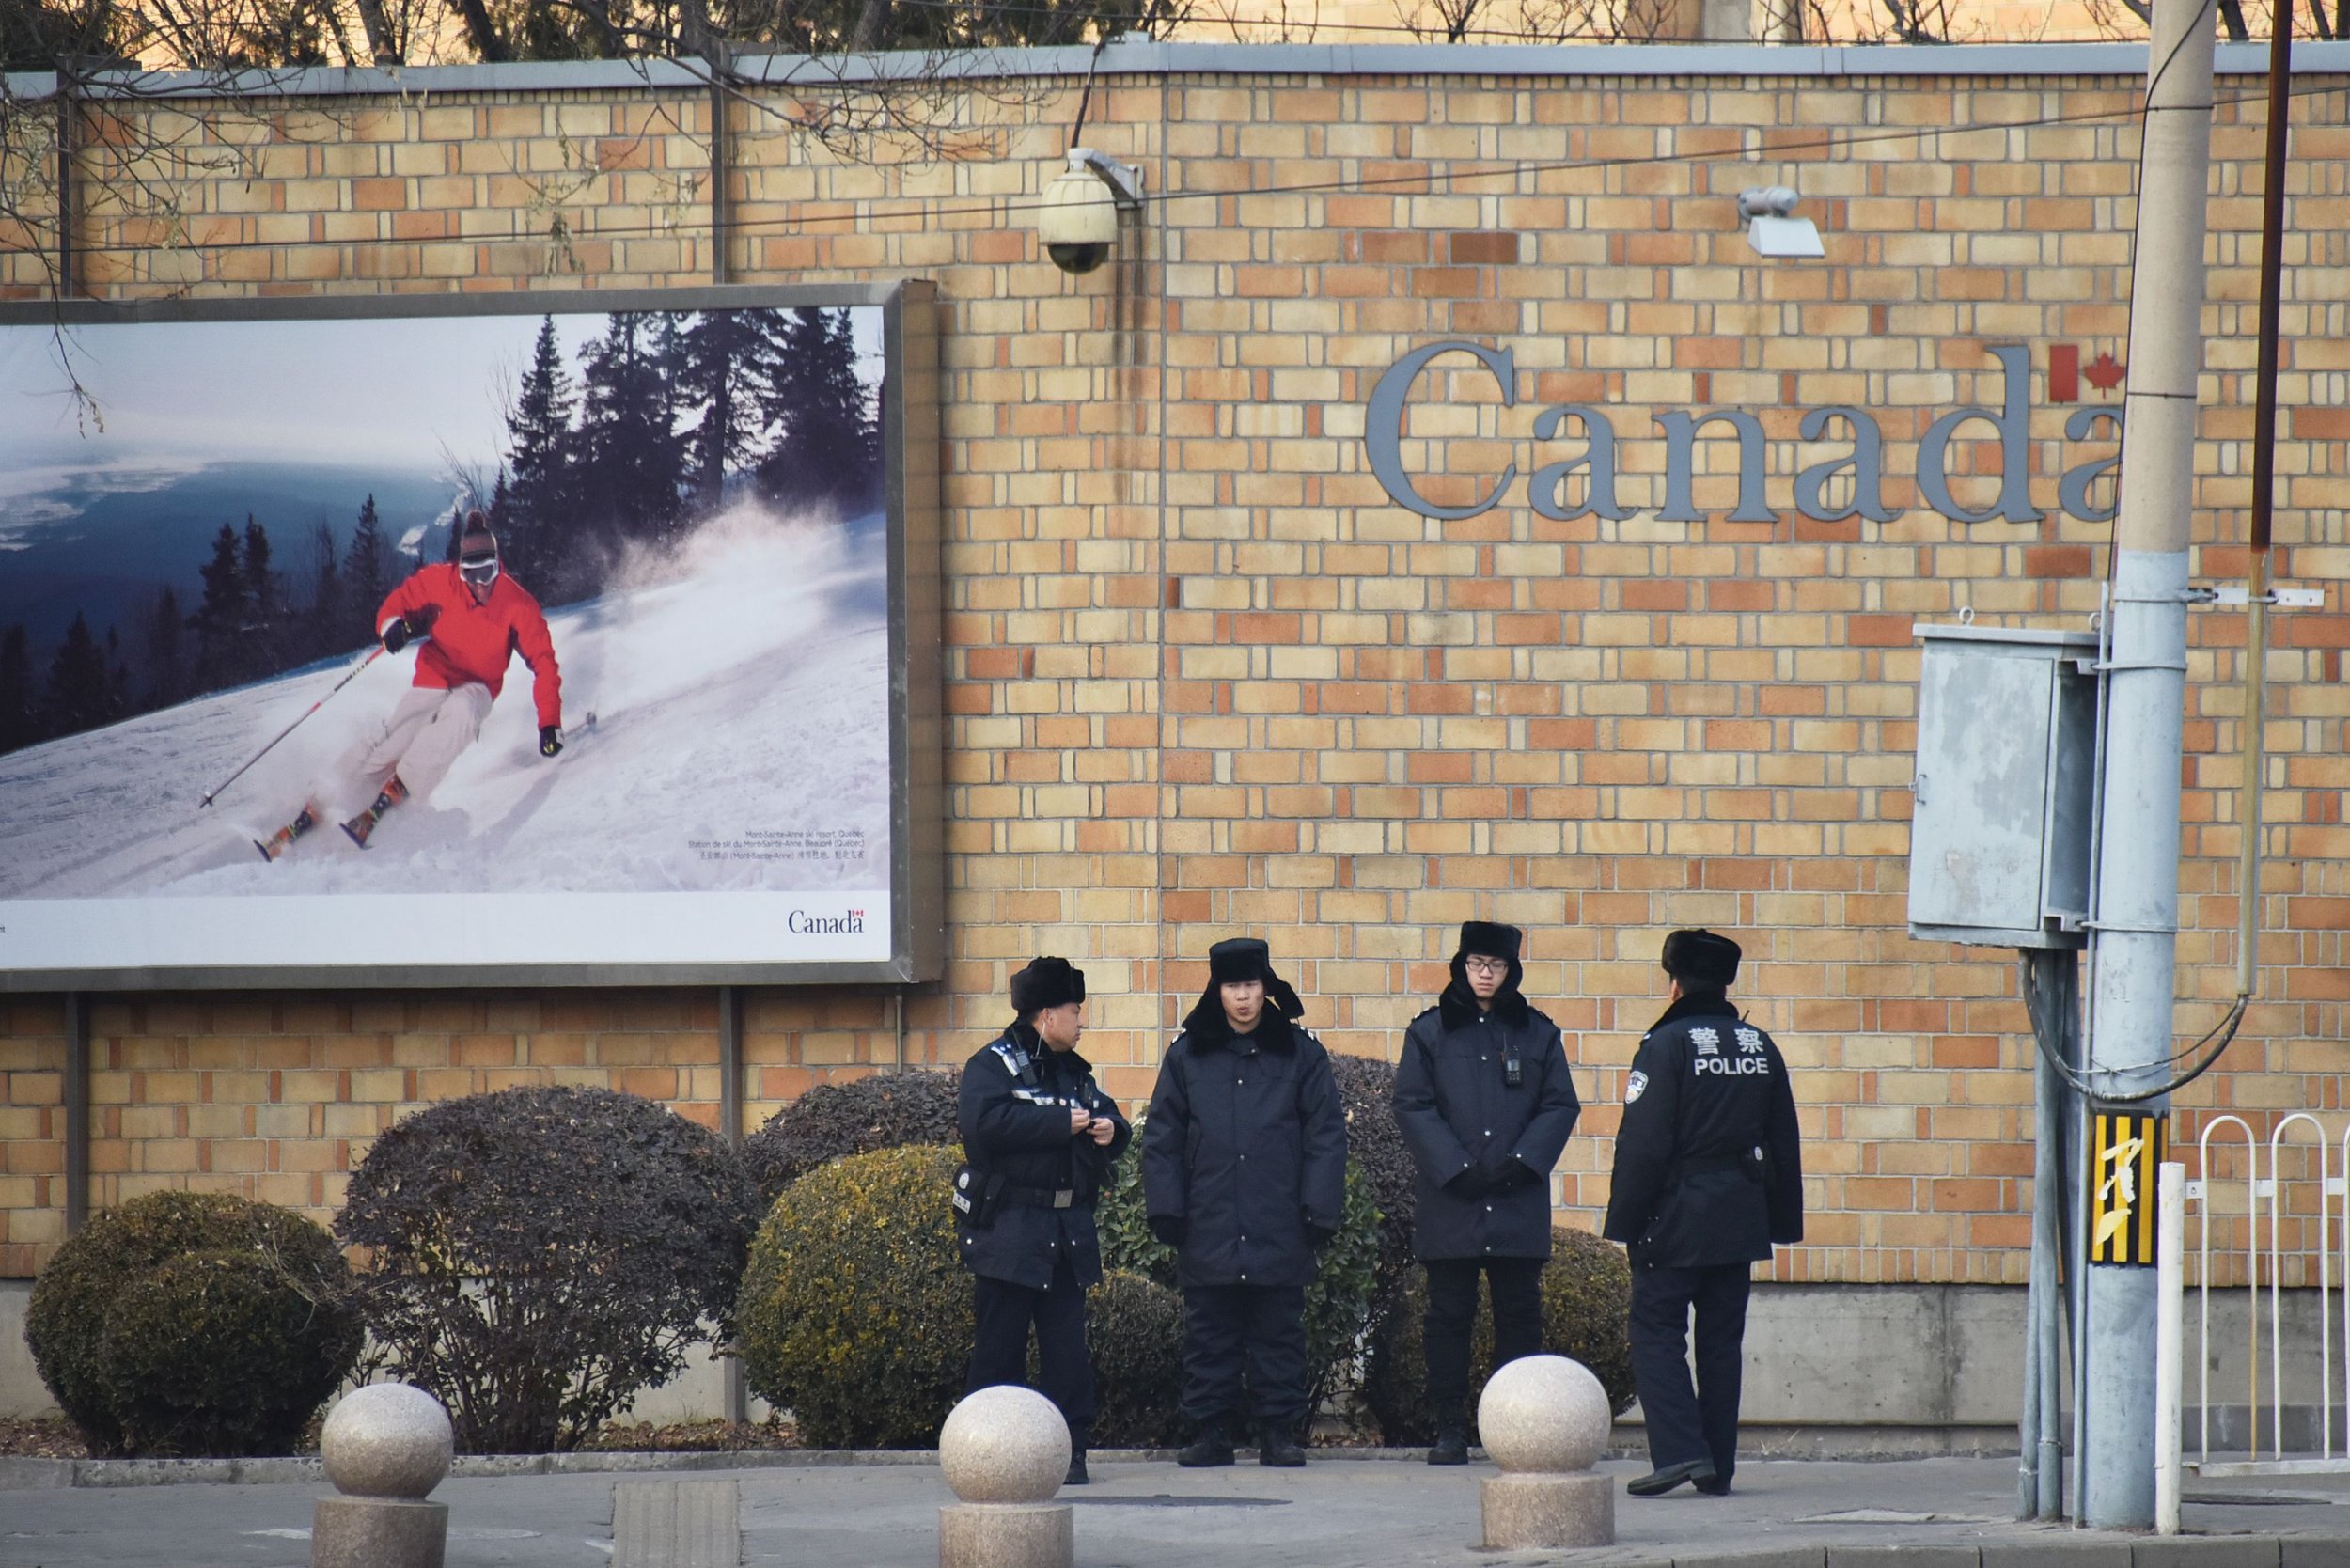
(740, 741)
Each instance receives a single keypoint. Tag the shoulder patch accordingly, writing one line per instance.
(1633, 1086)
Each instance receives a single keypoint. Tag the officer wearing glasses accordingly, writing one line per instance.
(1485, 1102)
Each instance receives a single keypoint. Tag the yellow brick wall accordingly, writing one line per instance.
(1203, 676)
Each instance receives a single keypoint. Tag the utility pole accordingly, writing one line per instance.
(2136, 908)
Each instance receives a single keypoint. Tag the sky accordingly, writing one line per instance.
(419, 393)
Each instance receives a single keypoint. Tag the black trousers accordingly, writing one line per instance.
(1252, 1334)
(1517, 1292)
(999, 1350)
(1685, 1423)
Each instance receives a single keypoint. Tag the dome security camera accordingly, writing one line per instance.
(1078, 221)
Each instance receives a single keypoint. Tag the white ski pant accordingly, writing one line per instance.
(427, 732)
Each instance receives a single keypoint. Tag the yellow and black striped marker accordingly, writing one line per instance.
(2124, 1150)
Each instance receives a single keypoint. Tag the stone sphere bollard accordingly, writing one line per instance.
(1005, 1450)
(386, 1447)
(1544, 1420)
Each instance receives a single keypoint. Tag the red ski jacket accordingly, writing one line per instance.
(475, 643)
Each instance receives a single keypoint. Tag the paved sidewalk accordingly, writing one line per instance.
(1336, 1512)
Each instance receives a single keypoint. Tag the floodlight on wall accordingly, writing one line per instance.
(1764, 211)
(1079, 217)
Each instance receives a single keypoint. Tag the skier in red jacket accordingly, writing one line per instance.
(469, 619)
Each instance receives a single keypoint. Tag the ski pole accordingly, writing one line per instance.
(213, 794)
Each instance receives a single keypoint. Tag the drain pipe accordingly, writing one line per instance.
(77, 1127)
(2264, 499)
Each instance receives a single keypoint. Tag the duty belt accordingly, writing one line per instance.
(1043, 1198)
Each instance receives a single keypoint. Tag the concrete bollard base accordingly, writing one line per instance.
(1536, 1510)
(378, 1532)
(1006, 1535)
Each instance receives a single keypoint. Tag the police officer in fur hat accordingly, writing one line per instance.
(1709, 1174)
(1244, 1172)
(1039, 1138)
(1485, 1102)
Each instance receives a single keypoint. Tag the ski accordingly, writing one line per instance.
(280, 842)
(360, 826)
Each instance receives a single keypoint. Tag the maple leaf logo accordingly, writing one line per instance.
(2104, 372)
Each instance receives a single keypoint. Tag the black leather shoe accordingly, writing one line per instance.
(1210, 1448)
(1452, 1447)
(1280, 1449)
(1658, 1483)
(1715, 1487)
(1077, 1476)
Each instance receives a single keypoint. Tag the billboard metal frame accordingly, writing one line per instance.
(911, 386)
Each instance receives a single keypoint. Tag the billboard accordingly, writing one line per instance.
(471, 641)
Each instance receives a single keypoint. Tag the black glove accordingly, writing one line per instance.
(1469, 1183)
(416, 623)
(1169, 1228)
(550, 740)
(1513, 1173)
(1319, 1236)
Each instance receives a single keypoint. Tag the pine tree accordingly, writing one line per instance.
(536, 544)
(364, 572)
(118, 679)
(165, 652)
(329, 613)
(17, 727)
(77, 696)
(266, 610)
(629, 460)
(219, 619)
(826, 452)
(725, 375)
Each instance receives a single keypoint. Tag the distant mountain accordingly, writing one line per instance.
(108, 557)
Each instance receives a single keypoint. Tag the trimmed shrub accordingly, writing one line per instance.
(1586, 1307)
(1134, 1329)
(832, 1122)
(194, 1324)
(541, 1254)
(1374, 1141)
(1337, 1302)
(855, 1308)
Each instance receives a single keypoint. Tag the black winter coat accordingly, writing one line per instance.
(1466, 1127)
(1246, 1146)
(1709, 1162)
(1014, 1111)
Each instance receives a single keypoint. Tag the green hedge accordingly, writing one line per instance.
(194, 1324)
(1587, 1305)
(856, 1310)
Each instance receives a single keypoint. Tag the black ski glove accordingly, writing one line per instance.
(416, 623)
(1169, 1228)
(550, 740)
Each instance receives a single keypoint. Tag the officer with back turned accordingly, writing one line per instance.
(1039, 1138)
(1708, 1173)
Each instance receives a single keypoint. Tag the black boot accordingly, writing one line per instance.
(1079, 1439)
(1664, 1477)
(1210, 1448)
(1276, 1446)
(1451, 1445)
